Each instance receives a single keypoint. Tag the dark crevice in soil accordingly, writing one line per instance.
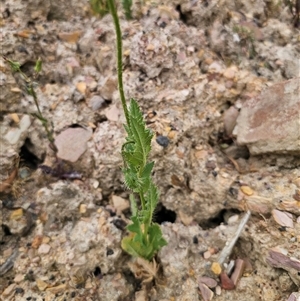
(183, 17)
(97, 272)
(218, 219)
(132, 280)
(99, 118)
(119, 223)
(6, 230)
(162, 214)
(27, 157)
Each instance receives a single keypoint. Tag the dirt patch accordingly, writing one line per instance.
(199, 70)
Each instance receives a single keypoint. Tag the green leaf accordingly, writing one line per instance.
(135, 246)
(38, 66)
(156, 238)
(127, 8)
(132, 180)
(140, 134)
(130, 247)
(146, 176)
(133, 205)
(15, 66)
(135, 227)
(152, 198)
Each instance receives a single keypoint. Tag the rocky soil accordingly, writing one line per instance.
(218, 82)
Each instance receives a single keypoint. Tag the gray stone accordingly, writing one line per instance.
(96, 102)
(270, 123)
(14, 134)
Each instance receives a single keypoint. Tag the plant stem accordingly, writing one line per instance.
(43, 120)
(15, 66)
(143, 203)
(113, 11)
(146, 223)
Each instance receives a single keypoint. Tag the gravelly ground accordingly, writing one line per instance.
(195, 67)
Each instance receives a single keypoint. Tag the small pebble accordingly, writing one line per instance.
(162, 141)
(70, 37)
(81, 87)
(19, 278)
(238, 271)
(206, 255)
(172, 134)
(246, 190)
(206, 293)
(96, 102)
(24, 173)
(297, 182)
(37, 241)
(95, 184)
(9, 290)
(230, 117)
(44, 249)
(226, 282)
(296, 195)
(222, 227)
(42, 285)
(229, 73)
(119, 203)
(36, 259)
(82, 208)
(233, 219)
(210, 282)
(46, 239)
(218, 290)
(19, 290)
(16, 214)
(283, 218)
(216, 268)
(248, 266)
(15, 117)
(294, 297)
(113, 113)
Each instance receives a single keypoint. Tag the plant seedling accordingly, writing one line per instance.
(145, 238)
(59, 170)
(28, 85)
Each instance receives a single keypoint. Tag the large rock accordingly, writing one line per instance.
(270, 123)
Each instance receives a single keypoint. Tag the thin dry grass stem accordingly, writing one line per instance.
(227, 250)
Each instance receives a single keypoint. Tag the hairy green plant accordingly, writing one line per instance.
(101, 7)
(28, 85)
(127, 8)
(59, 170)
(145, 238)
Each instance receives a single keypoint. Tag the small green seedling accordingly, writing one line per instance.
(145, 238)
(29, 84)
